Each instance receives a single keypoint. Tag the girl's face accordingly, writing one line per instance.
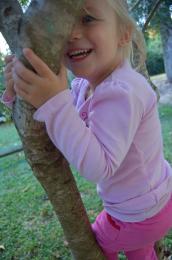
(92, 49)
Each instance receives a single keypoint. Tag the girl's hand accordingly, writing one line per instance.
(38, 88)
(9, 83)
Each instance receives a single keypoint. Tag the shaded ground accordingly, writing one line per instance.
(165, 88)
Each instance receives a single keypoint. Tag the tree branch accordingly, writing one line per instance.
(135, 5)
(10, 15)
(151, 14)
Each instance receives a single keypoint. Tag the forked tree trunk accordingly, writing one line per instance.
(45, 27)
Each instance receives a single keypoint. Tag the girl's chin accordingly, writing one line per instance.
(79, 74)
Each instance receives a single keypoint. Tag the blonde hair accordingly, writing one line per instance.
(134, 50)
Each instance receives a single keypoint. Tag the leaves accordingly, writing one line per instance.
(2, 248)
(143, 9)
(23, 2)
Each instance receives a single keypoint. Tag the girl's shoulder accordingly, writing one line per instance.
(136, 84)
(127, 84)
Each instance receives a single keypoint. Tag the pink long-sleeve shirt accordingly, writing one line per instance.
(113, 138)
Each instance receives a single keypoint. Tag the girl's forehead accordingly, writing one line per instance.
(97, 6)
(95, 3)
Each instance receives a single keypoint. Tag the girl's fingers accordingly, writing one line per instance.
(7, 77)
(21, 93)
(9, 58)
(63, 75)
(19, 84)
(40, 67)
(26, 74)
(10, 88)
(8, 67)
(63, 71)
(10, 85)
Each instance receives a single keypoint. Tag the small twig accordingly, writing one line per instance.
(151, 14)
(135, 5)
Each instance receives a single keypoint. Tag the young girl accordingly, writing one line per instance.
(107, 126)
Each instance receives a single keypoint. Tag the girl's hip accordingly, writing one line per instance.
(115, 235)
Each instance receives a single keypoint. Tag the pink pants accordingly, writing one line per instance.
(135, 239)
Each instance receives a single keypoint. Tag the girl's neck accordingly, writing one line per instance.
(94, 83)
(89, 92)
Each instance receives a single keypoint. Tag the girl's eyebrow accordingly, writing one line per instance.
(90, 10)
(86, 10)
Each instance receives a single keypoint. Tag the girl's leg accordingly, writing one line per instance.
(106, 235)
(136, 239)
(146, 253)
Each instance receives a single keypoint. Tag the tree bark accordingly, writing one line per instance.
(45, 27)
(166, 36)
(10, 15)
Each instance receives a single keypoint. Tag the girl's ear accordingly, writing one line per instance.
(125, 37)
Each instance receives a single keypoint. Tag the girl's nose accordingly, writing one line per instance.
(76, 33)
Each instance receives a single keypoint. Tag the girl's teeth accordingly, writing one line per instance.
(79, 52)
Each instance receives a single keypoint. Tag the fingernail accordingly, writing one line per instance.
(14, 59)
(26, 51)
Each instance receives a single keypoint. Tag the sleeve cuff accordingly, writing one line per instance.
(53, 105)
(7, 100)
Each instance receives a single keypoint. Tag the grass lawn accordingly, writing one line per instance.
(28, 226)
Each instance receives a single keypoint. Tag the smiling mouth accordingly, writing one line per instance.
(79, 54)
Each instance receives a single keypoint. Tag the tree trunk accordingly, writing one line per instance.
(45, 27)
(166, 37)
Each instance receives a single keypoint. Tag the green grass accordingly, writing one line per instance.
(28, 226)
(8, 135)
(165, 113)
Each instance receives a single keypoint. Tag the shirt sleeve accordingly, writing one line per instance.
(7, 100)
(98, 150)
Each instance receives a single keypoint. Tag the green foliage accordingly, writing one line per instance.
(155, 63)
(144, 8)
(23, 2)
(162, 15)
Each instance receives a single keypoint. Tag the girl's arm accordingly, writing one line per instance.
(96, 151)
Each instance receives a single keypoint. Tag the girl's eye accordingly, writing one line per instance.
(88, 19)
